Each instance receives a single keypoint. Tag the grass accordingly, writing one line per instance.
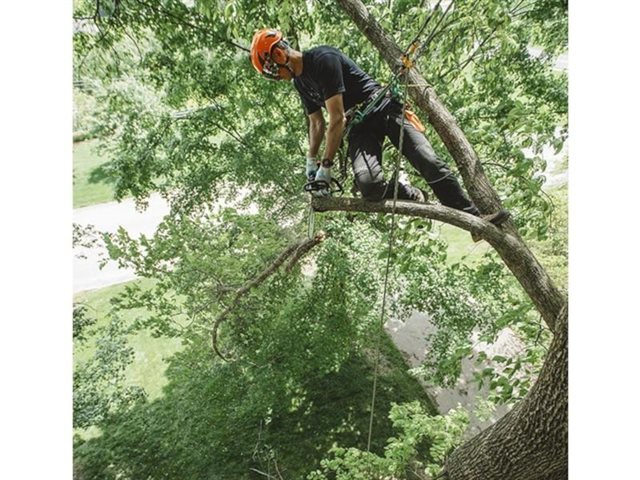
(461, 247)
(91, 183)
(148, 367)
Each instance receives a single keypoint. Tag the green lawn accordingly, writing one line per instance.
(91, 183)
(148, 367)
(461, 246)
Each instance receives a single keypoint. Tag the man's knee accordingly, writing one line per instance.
(372, 191)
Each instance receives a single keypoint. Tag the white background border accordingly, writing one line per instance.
(35, 244)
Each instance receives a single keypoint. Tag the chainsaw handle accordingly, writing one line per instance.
(317, 185)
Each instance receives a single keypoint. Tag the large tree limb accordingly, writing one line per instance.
(293, 253)
(516, 255)
(529, 443)
(506, 244)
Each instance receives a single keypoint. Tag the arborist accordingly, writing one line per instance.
(326, 78)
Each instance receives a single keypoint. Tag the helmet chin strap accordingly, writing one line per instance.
(286, 66)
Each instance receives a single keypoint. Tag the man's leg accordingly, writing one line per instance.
(365, 151)
(419, 152)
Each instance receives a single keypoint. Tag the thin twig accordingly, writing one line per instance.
(461, 66)
(263, 473)
(522, 177)
(184, 22)
(135, 44)
(103, 33)
(425, 46)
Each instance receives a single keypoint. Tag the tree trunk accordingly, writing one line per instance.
(531, 442)
(523, 264)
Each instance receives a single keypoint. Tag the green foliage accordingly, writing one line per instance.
(207, 119)
(407, 454)
(554, 251)
(218, 420)
(99, 387)
(149, 362)
(461, 298)
(81, 322)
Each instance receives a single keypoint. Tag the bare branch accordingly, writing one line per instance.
(293, 253)
(166, 12)
(425, 46)
(263, 473)
(444, 214)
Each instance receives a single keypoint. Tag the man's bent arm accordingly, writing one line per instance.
(316, 132)
(337, 122)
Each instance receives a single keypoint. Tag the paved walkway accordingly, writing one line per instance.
(108, 217)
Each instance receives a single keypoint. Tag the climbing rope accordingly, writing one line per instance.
(413, 50)
(396, 176)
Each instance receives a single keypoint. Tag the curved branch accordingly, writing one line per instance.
(510, 248)
(293, 253)
(547, 298)
(455, 217)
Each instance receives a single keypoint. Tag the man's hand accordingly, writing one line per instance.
(311, 168)
(324, 174)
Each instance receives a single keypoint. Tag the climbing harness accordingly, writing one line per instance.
(360, 112)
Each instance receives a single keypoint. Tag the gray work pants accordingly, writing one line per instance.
(365, 150)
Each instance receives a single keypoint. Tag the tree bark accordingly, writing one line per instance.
(523, 264)
(531, 442)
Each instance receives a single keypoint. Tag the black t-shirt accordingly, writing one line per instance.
(326, 71)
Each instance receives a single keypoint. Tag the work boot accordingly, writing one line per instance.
(497, 219)
(417, 194)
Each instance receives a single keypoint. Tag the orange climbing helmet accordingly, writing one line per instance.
(269, 53)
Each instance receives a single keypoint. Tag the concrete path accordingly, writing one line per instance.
(108, 217)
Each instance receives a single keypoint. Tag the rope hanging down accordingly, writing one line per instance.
(407, 64)
(388, 266)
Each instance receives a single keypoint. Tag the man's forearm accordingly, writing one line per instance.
(316, 133)
(334, 137)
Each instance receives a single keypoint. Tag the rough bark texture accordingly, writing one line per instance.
(532, 441)
(523, 264)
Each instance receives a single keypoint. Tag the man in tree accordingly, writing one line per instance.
(325, 77)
